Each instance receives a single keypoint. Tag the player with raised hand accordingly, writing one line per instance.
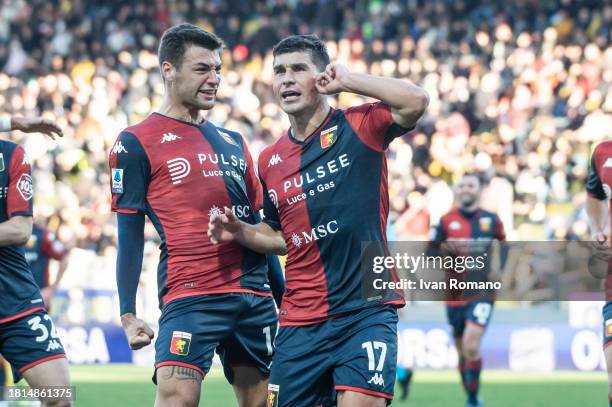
(28, 339)
(31, 125)
(326, 192)
(178, 170)
(598, 211)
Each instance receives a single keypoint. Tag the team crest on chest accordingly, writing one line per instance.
(227, 138)
(485, 224)
(329, 136)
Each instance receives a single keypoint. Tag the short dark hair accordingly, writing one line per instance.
(308, 43)
(177, 39)
(474, 174)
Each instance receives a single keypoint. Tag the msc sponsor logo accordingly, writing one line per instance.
(241, 211)
(274, 160)
(25, 187)
(118, 148)
(179, 168)
(168, 137)
(314, 234)
(309, 177)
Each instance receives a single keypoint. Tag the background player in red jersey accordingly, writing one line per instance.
(42, 248)
(326, 192)
(469, 318)
(28, 338)
(177, 170)
(598, 210)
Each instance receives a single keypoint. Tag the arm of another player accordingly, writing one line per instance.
(31, 125)
(260, 237)
(16, 231)
(129, 266)
(407, 101)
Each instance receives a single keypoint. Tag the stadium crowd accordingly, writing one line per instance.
(519, 91)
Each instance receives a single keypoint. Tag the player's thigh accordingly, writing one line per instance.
(301, 374)
(251, 344)
(177, 386)
(29, 344)
(354, 399)
(190, 330)
(250, 386)
(456, 320)
(53, 372)
(367, 358)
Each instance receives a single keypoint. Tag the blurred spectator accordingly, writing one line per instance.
(519, 91)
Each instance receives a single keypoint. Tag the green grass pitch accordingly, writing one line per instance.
(130, 386)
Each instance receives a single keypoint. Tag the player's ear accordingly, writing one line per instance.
(168, 71)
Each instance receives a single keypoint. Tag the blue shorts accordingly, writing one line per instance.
(477, 312)
(29, 341)
(607, 324)
(355, 352)
(240, 326)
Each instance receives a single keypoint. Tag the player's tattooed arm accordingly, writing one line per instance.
(260, 237)
(16, 231)
(407, 101)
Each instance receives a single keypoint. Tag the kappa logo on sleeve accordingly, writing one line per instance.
(180, 343)
(117, 187)
(272, 400)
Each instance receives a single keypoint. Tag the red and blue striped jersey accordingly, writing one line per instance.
(328, 194)
(459, 225)
(178, 174)
(599, 182)
(42, 247)
(19, 294)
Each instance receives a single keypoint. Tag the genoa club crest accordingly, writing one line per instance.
(328, 137)
(180, 343)
(272, 400)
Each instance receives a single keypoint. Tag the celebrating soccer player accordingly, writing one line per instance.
(326, 192)
(28, 339)
(469, 318)
(598, 210)
(178, 170)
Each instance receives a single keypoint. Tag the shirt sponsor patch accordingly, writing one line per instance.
(25, 187)
(117, 187)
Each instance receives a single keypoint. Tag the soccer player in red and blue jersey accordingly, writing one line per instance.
(469, 318)
(28, 339)
(178, 170)
(42, 247)
(598, 210)
(326, 192)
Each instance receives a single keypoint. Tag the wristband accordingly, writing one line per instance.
(5, 123)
